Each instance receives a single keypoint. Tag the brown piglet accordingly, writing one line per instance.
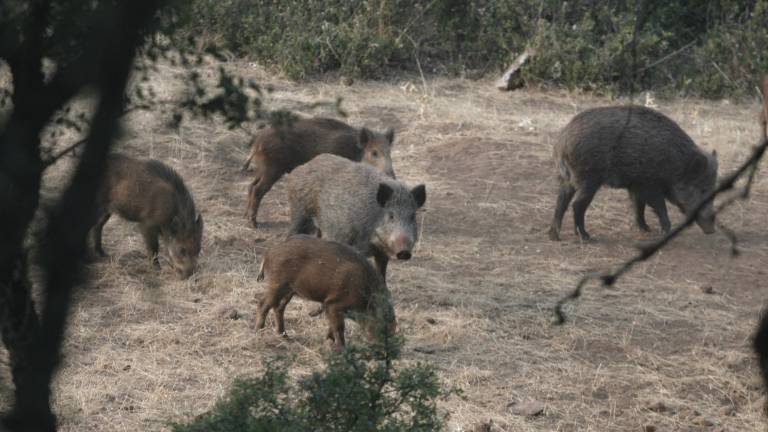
(153, 195)
(278, 150)
(330, 273)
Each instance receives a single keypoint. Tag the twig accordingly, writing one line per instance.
(722, 73)
(649, 250)
(50, 161)
(668, 56)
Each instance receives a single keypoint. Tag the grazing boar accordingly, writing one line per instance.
(354, 204)
(278, 150)
(153, 195)
(764, 110)
(331, 273)
(637, 149)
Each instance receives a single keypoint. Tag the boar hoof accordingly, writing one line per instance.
(644, 228)
(554, 235)
(333, 346)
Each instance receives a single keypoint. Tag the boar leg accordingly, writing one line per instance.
(335, 325)
(380, 260)
(280, 311)
(271, 300)
(564, 197)
(301, 222)
(259, 187)
(660, 208)
(639, 205)
(581, 202)
(97, 229)
(150, 235)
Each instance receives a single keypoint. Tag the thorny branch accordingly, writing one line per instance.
(747, 169)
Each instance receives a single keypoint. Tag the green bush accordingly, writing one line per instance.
(719, 46)
(359, 390)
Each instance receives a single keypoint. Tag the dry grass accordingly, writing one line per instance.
(144, 349)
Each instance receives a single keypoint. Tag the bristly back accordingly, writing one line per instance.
(168, 174)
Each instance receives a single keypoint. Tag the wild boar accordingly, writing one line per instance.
(637, 149)
(354, 204)
(153, 195)
(331, 273)
(278, 150)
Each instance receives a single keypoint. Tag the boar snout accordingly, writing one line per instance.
(707, 224)
(184, 273)
(401, 245)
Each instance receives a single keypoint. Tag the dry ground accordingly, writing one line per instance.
(659, 349)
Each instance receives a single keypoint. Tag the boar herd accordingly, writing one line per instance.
(347, 205)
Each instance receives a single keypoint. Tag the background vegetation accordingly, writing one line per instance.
(710, 48)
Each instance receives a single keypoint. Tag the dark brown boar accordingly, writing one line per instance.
(764, 110)
(330, 273)
(278, 150)
(637, 149)
(354, 204)
(153, 195)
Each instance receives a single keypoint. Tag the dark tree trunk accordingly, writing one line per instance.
(34, 338)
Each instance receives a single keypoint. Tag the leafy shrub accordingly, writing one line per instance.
(718, 47)
(359, 390)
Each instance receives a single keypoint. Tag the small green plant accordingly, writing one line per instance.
(361, 389)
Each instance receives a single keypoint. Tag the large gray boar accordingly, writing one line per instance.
(637, 149)
(153, 195)
(278, 150)
(354, 204)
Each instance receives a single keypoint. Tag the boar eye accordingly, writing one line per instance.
(375, 154)
(391, 216)
(183, 251)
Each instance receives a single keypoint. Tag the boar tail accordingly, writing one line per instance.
(260, 276)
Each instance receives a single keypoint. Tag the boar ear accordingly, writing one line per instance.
(420, 195)
(365, 136)
(199, 222)
(390, 135)
(383, 194)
